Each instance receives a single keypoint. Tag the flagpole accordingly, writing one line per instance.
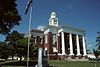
(29, 34)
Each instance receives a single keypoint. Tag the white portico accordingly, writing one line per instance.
(72, 41)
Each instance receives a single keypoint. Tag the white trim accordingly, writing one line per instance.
(46, 32)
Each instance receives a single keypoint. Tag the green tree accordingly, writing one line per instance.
(97, 49)
(14, 37)
(4, 50)
(13, 41)
(18, 45)
(22, 48)
(96, 52)
(9, 16)
(33, 51)
(98, 41)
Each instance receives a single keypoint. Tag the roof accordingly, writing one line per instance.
(66, 26)
(37, 31)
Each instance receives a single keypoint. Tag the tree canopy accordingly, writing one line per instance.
(17, 43)
(9, 16)
(14, 37)
(98, 41)
(97, 49)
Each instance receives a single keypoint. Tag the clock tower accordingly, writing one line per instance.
(53, 21)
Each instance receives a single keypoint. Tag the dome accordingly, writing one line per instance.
(53, 14)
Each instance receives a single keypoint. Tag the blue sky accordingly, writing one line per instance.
(82, 14)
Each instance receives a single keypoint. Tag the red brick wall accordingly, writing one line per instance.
(38, 41)
(50, 47)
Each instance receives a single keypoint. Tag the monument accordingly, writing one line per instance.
(42, 60)
(40, 57)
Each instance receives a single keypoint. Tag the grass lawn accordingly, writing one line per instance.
(53, 63)
(72, 63)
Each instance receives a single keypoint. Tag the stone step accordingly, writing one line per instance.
(76, 59)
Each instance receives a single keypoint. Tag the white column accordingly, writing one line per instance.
(84, 47)
(63, 43)
(71, 44)
(78, 46)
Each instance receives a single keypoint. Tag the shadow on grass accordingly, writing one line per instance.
(18, 63)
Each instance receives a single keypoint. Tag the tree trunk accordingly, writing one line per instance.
(20, 56)
(12, 57)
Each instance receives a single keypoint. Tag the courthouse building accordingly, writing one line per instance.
(60, 42)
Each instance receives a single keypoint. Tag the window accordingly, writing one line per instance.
(54, 38)
(34, 40)
(41, 40)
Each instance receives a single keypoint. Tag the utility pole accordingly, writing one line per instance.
(29, 5)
